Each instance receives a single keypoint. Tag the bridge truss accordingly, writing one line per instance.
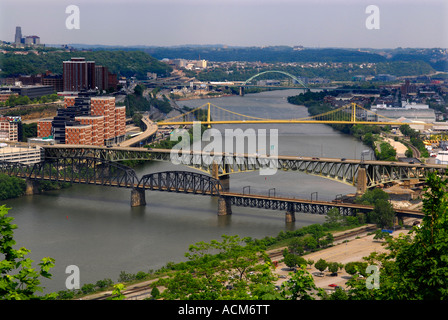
(219, 164)
(83, 170)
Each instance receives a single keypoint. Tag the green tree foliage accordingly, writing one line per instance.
(321, 265)
(386, 152)
(18, 279)
(11, 187)
(416, 265)
(123, 63)
(233, 271)
(28, 131)
(370, 197)
(383, 213)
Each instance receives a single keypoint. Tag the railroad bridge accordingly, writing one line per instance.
(95, 171)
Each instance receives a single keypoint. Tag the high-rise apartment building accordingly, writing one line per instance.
(86, 120)
(78, 74)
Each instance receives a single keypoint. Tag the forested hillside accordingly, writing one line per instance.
(123, 63)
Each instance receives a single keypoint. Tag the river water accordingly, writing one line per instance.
(95, 228)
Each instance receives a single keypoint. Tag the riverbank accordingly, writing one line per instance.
(349, 246)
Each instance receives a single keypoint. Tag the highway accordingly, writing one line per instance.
(151, 128)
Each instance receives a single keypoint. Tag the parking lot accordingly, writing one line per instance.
(353, 250)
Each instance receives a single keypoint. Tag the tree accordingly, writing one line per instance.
(334, 217)
(18, 280)
(292, 260)
(416, 265)
(333, 267)
(383, 214)
(296, 246)
(235, 264)
(300, 286)
(117, 293)
(321, 265)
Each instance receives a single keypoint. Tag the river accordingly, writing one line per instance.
(95, 228)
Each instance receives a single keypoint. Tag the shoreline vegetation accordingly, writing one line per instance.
(307, 239)
(304, 240)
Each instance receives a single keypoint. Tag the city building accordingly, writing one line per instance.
(25, 155)
(79, 75)
(20, 40)
(4, 95)
(55, 81)
(10, 128)
(18, 36)
(413, 112)
(44, 128)
(33, 92)
(86, 119)
(78, 134)
(32, 40)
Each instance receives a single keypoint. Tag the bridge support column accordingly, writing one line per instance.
(138, 197)
(361, 184)
(32, 187)
(224, 206)
(242, 91)
(224, 179)
(290, 215)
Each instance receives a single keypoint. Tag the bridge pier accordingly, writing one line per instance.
(242, 91)
(290, 215)
(361, 184)
(138, 197)
(32, 187)
(224, 206)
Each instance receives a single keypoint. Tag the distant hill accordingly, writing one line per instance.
(125, 63)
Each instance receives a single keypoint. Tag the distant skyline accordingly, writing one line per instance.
(319, 23)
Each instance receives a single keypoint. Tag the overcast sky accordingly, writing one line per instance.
(311, 23)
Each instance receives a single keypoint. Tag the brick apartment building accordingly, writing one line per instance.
(9, 128)
(79, 74)
(86, 120)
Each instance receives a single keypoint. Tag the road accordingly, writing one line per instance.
(151, 128)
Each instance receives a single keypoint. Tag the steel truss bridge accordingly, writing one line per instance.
(96, 171)
(209, 114)
(275, 71)
(363, 174)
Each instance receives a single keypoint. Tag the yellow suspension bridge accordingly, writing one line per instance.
(210, 114)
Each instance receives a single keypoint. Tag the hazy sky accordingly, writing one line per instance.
(311, 23)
